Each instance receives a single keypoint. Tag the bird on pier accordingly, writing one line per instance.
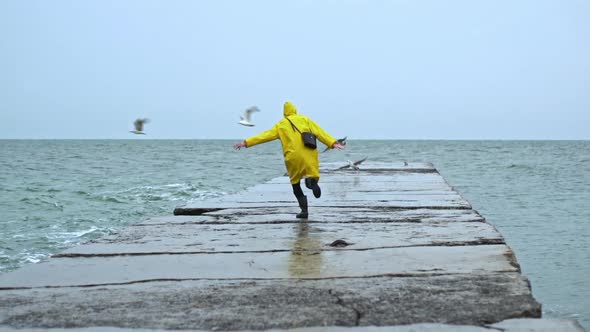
(138, 124)
(353, 165)
(245, 120)
(341, 141)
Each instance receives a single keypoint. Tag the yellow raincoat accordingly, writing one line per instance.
(301, 161)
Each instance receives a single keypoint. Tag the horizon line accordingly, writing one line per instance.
(238, 139)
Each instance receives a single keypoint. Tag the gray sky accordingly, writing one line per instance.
(390, 69)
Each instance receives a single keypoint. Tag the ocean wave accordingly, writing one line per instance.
(110, 199)
(26, 257)
(36, 201)
(521, 167)
(69, 236)
(166, 192)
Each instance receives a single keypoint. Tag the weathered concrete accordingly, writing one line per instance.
(383, 189)
(284, 214)
(255, 237)
(511, 325)
(414, 252)
(312, 262)
(264, 304)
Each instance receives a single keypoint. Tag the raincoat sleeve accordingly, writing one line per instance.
(263, 137)
(321, 134)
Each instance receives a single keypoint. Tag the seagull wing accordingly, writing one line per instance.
(358, 162)
(249, 112)
(343, 167)
(138, 124)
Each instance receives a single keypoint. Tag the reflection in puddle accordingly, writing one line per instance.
(306, 256)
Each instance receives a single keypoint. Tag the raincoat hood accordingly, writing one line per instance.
(289, 109)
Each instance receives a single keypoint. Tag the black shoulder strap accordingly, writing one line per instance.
(292, 125)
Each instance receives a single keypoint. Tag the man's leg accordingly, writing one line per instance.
(301, 199)
(312, 184)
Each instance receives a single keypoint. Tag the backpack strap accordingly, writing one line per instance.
(292, 125)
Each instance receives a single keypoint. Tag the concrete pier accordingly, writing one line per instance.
(385, 245)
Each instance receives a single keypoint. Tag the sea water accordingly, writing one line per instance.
(55, 194)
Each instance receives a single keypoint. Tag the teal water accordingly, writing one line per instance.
(55, 194)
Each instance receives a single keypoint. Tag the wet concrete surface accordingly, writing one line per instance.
(510, 325)
(255, 237)
(415, 253)
(263, 304)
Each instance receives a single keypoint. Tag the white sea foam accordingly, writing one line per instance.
(30, 257)
(69, 236)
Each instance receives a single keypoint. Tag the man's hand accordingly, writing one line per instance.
(338, 146)
(240, 145)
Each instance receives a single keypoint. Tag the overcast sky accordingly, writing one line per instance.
(390, 69)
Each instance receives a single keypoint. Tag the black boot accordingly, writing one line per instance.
(314, 186)
(303, 205)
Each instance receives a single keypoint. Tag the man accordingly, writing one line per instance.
(301, 161)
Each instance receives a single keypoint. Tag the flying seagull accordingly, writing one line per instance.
(353, 165)
(245, 120)
(342, 141)
(139, 126)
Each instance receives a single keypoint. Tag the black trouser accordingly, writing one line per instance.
(297, 190)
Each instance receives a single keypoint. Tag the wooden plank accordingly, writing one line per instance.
(233, 238)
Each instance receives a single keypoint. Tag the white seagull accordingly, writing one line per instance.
(353, 165)
(245, 120)
(139, 126)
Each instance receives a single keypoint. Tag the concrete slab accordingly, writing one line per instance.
(334, 188)
(233, 238)
(395, 179)
(540, 325)
(473, 299)
(388, 166)
(285, 214)
(204, 206)
(344, 189)
(297, 264)
(346, 215)
(431, 199)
